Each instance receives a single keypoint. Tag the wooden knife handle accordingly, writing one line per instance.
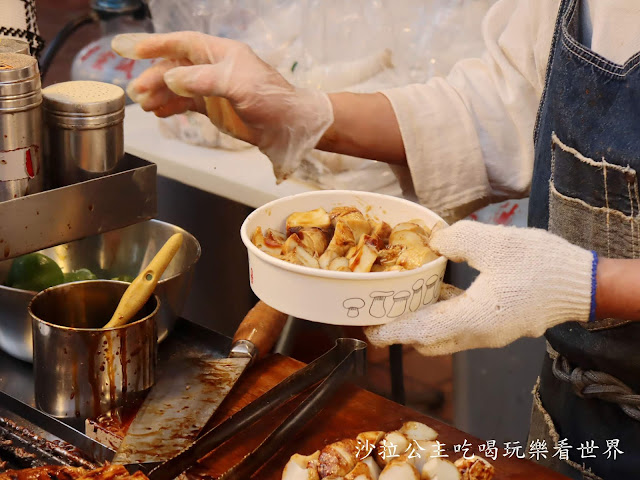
(262, 327)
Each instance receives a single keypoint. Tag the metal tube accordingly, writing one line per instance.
(21, 171)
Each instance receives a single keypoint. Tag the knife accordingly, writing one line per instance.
(189, 392)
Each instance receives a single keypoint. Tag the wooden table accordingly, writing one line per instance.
(353, 410)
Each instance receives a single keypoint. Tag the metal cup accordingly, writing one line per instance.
(82, 370)
(84, 136)
(21, 170)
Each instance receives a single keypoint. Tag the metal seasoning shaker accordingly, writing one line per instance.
(84, 136)
(21, 169)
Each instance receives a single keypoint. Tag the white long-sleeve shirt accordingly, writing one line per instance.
(469, 137)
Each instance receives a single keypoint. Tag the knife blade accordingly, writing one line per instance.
(191, 389)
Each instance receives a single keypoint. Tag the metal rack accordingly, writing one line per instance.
(61, 215)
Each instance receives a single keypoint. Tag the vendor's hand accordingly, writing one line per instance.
(529, 281)
(225, 80)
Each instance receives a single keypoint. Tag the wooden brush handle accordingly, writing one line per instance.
(262, 327)
(145, 283)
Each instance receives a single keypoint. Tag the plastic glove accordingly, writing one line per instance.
(529, 281)
(241, 94)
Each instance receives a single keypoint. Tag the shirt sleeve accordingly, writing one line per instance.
(469, 137)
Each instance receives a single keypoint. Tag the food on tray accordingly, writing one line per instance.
(475, 468)
(57, 472)
(346, 240)
(409, 453)
(36, 272)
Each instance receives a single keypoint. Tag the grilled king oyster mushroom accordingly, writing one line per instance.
(313, 240)
(398, 469)
(418, 431)
(318, 218)
(410, 235)
(338, 459)
(388, 257)
(300, 256)
(339, 264)
(301, 467)
(475, 468)
(439, 469)
(354, 219)
(415, 240)
(391, 443)
(366, 469)
(339, 245)
(271, 242)
(365, 255)
(337, 212)
(381, 229)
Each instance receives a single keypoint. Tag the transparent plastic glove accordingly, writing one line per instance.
(241, 94)
(529, 281)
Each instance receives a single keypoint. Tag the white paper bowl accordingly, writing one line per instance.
(340, 298)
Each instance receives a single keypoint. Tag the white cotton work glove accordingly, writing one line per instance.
(529, 281)
(224, 79)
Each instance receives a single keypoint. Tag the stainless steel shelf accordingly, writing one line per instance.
(61, 215)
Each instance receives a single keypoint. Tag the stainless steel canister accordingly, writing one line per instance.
(83, 130)
(21, 169)
(13, 45)
(80, 369)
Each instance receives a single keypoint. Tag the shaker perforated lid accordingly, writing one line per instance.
(84, 98)
(19, 82)
(17, 67)
(13, 45)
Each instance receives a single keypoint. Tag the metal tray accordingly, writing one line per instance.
(16, 377)
(61, 215)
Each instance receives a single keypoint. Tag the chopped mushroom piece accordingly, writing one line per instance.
(394, 268)
(365, 255)
(381, 229)
(389, 256)
(421, 223)
(339, 245)
(270, 243)
(357, 222)
(409, 235)
(337, 212)
(314, 240)
(301, 467)
(439, 469)
(300, 256)
(392, 443)
(373, 437)
(415, 257)
(366, 469)
(399, 470)
(338, 459)
(475, 468)
(318, 218)
(418, 431)
(340, 264)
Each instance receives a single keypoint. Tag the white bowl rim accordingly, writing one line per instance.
(317, 272)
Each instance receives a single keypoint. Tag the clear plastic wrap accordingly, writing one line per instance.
(332, 45)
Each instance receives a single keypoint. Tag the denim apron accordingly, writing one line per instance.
(585, 189)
